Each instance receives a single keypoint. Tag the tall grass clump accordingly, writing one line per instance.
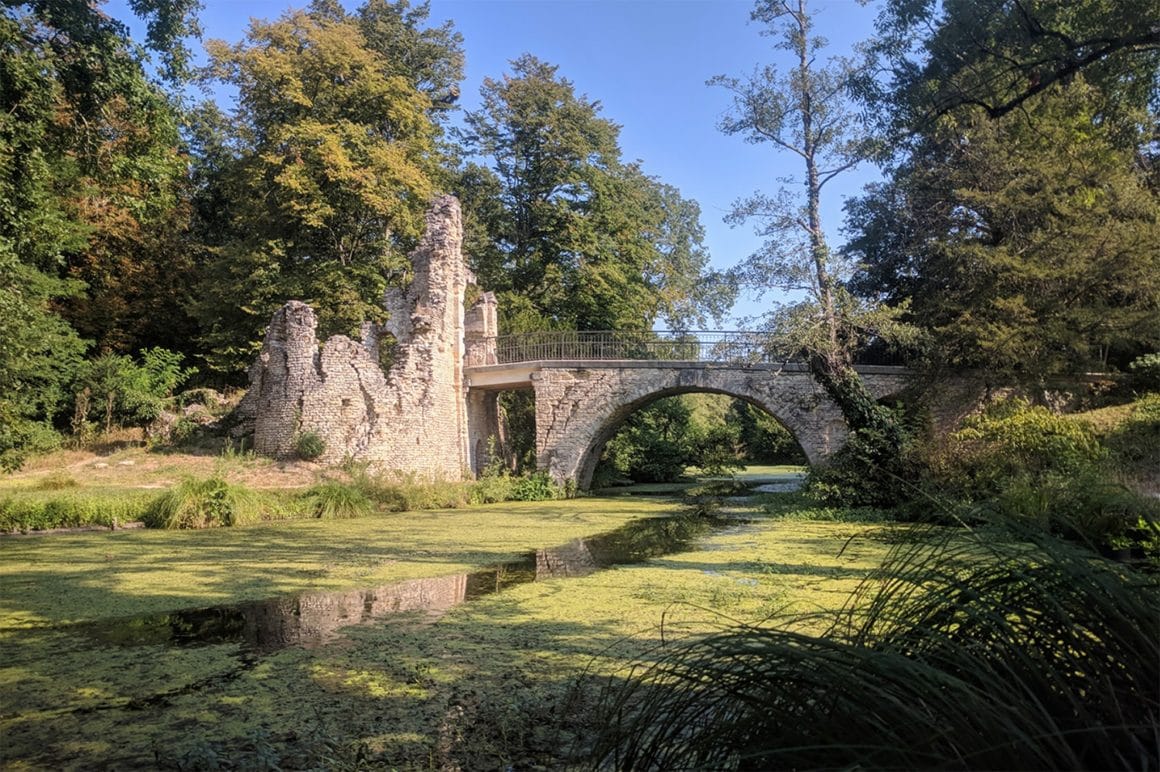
(205, 503)
(992, 650)
(334, 500)
(71, 507)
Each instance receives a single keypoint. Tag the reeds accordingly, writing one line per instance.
(996, 649)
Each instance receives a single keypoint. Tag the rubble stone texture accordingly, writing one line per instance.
(411, 417)
(579, 409)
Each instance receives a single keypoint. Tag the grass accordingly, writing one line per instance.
(41, 508)
(487, 685)
(1004, 649)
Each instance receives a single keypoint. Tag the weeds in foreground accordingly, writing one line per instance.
(1010, 650)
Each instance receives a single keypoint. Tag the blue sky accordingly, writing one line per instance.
(646, 61)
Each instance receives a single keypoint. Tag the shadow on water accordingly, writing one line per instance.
(314, 618)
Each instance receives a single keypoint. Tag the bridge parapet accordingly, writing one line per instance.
(724, 346)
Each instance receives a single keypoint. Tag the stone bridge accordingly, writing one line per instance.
(581, 403)
(432, 411)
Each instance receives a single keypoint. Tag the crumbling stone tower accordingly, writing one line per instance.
(411, 417)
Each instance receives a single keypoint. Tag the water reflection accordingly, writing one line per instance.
(313, 618)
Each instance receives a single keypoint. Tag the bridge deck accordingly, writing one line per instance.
(517, 375)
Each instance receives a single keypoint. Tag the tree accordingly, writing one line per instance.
(1029, 245)
(325, 169)
(88, 172)
(570, 235)
(997, 54)
(806, 112)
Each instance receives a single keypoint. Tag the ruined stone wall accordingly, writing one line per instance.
(411, 417)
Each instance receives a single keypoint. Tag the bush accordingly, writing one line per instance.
(205, 503)
(536, 487)
(870, 470)
(1012, 439)
(309, 446)
(333, 500)
(1135, 443)
(491, 489)
(1145, 372)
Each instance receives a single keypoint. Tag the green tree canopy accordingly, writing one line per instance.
(1029, 245)
(997, 54)
(89, 180)
(324, 168)
(570, 235)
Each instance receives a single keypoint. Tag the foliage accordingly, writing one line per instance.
(333, 500)
(872, 469)
(325, 167)
(653, 443)
(206, 503)
(1000, 649)
(1026, 463)
(1028, 246)
(39, 354)
(1134, 443)
(997, 55)
(93, 173)
(761, 437)
(130, 393)
(1145, 372)
(72, 506)
(309, 446)
(537, 486)
(566, 233)
(1013, 439)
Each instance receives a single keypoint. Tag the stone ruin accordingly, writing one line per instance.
(411, 416)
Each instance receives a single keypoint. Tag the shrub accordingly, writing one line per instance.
(870, 470)
(204, 503)
(57, 481)
(333, 500)
(1012, 438)
(491, 489)
(537, 486)
(1136, 442)
(309, 446)
(1145, 372)
(1002, 650)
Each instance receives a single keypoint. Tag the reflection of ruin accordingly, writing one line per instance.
(313, 618)
(571, 559)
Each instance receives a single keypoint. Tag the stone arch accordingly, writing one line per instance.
(578, 410)
(591, 457)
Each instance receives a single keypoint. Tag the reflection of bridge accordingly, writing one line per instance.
(587, 383)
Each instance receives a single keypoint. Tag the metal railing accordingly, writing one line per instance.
(735, 347)
(700, 346)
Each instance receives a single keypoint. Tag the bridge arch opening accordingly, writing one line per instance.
(656, 437)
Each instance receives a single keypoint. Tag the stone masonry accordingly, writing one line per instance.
(578, 409)
(411, 417)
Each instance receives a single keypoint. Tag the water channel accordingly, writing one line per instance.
(314, 618)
